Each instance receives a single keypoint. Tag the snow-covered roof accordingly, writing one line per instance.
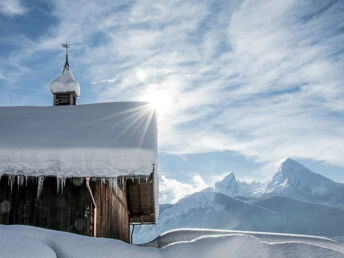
(65, 83)
(97, 140)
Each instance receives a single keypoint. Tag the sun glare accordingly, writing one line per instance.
(159, 100)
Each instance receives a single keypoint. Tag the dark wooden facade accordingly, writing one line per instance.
(141, 200)
(112, 211)
(65, 98)
(72, 209)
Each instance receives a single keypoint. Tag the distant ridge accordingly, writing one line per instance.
(291, 179)
(295, 200)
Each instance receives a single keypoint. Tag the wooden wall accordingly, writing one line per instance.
(141, 200)
(112, 212)
(70, 211)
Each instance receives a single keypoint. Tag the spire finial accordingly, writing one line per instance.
(66, 46)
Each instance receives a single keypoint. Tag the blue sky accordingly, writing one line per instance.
(239, 85)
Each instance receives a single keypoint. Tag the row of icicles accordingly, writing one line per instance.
(112, 182)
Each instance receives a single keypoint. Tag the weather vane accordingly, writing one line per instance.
(66, 46)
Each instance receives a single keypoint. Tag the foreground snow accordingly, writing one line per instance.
(24, 241)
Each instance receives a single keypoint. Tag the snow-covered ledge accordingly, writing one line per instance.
(100, 140)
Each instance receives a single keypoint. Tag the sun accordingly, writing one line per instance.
(158, 99)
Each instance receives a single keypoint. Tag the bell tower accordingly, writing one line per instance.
(65, 88)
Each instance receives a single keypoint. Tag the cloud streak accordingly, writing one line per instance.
(260, 78)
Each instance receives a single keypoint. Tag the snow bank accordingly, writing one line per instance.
(65, 83)
(100, 140)
(67, 245)
(14, 245)
(241, 245)
(190, 234)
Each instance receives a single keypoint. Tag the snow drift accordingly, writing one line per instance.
(48, 243)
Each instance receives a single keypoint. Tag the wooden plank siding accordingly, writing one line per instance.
(112, 211)
(70, 211)
(141, 200)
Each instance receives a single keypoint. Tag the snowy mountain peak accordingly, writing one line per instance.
(293, 172)
(291, 180)
(292, 165)
(228, 185)
(290, 171)
(292, 162)
(296, 181)
(230, 177)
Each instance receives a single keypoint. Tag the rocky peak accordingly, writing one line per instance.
(228, 185)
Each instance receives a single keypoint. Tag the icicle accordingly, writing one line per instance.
(20, 181)
(139, 179)
(115, 184)
(146, 178)
(11, 181)
(40, 186)
(60, 184)
(112, 183)
(63, 183)
(57, 185)
(26, 179)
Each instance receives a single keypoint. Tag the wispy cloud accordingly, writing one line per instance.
(260, 78)
(12, 7)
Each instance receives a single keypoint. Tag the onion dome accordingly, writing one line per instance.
(66, 82)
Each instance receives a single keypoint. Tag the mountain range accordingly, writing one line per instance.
(294, 200)
(291, 180)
